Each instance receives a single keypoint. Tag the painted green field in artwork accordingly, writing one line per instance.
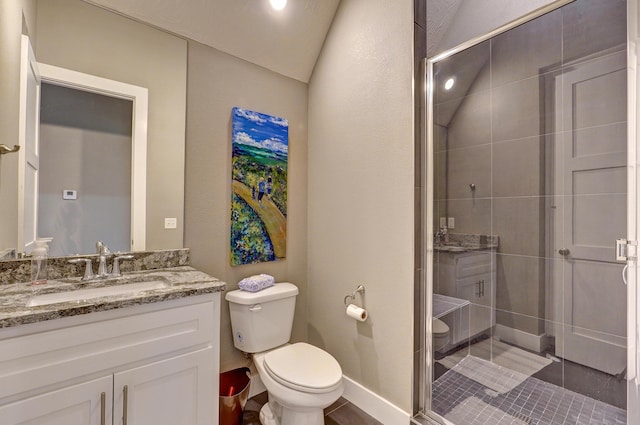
(250, 164)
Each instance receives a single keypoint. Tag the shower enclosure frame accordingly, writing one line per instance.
(423, 364)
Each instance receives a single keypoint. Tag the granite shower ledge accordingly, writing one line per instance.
(183, 281)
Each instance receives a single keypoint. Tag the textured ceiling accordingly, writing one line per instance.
(440, 14)
(287, 42)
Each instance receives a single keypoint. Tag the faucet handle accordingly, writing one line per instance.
(115, 270)
(102, 249)
(88, 270)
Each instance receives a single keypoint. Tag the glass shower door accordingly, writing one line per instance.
(533, 179)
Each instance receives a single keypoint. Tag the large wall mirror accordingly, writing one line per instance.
(82, 38)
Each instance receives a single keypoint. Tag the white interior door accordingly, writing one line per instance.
(592, 179)
(29, 152)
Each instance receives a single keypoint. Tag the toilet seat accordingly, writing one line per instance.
(303, 367)
(439, 328)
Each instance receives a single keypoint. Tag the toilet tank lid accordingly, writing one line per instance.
(275, 292)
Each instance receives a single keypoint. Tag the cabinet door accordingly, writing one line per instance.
(479, 291)
(81, 404)
(179, 390)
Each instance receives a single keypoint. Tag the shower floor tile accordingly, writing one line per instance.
(478, 392)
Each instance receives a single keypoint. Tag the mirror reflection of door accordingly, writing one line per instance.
(85, 170)
(591, 175)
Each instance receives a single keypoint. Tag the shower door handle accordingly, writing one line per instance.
(564, 252)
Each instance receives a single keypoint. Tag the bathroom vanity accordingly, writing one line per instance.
(139, 357)
(467, 272)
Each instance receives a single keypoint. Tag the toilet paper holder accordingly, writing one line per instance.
(352, 297)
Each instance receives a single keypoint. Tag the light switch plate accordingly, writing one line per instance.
(170, 223)
(69, 194)
(451, 223)
(443, 222)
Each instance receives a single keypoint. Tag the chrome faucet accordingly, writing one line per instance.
(440, 237)
(103, 252)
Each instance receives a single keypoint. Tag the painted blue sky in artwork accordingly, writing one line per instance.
(260, 130)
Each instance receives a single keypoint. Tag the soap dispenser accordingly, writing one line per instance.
(39, 257)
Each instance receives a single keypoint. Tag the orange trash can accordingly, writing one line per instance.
(234, 392)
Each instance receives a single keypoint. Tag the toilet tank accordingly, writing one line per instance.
(262, 320)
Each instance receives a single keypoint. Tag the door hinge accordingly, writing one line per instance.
(626, 250)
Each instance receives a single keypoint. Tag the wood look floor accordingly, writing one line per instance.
(342, 412)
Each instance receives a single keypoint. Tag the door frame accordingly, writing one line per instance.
(140, 97)
(633, 210)
(28, 67)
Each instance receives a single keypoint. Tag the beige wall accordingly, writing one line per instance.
(85, 38)
(216, 83)
(361, 194)
(13, 15)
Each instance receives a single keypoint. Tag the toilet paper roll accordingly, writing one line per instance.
(355, 312)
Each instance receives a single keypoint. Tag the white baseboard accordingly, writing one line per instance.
(368, 401)
(520, 338)
(374, 405)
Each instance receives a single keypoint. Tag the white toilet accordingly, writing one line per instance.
(440, 332)
(301, 379)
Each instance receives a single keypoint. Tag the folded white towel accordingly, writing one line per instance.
(257, 282)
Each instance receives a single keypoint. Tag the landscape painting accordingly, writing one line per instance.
(260, 151)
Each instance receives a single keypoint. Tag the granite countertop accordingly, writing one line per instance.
(461, 242)
(180, 282)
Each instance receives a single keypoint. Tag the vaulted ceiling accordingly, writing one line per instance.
(287, 42)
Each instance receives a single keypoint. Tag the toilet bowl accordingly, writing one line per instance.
(440, 332)
(301, 379)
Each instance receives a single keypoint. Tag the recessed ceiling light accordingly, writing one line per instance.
(278, 4)
(449, 83)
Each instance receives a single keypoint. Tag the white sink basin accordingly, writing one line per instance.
(90, 293)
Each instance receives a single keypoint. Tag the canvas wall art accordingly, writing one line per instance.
(259, 187)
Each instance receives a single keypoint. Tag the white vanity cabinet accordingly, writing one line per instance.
(150, 364)
(79, 404)
(172, 391)
(470, 276)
